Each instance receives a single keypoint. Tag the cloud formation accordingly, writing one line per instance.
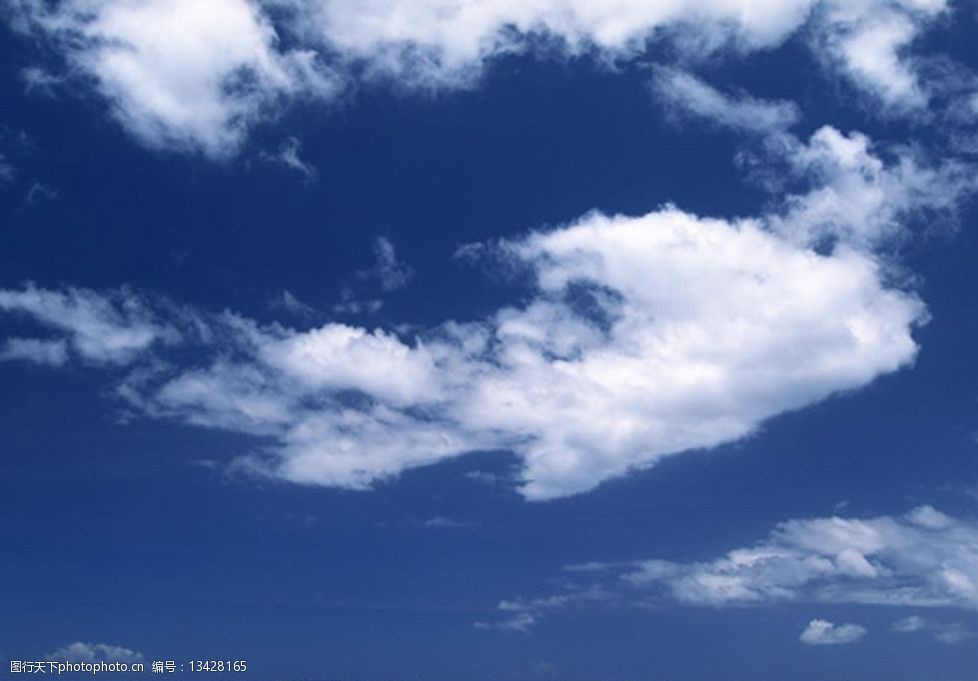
(641, 337)
(93, 652)
(287, 156)
(6, 170)
(948, 633)
(179, 73)
(53, 353)
(922, 559)
(388, 271)
(822, 632)
(112, 328)
(682, 93)
(521, 615)
(196, 76)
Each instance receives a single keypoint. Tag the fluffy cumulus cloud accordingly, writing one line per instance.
(642, 337)
(822, 632)
(699, 330)
(862, 198)
(192, 75)
(179, 73)
(866, 39)
(922, 559)
(94, 652)
(446, 42)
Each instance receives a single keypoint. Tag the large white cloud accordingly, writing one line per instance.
(711, 328)
(445, 41)
(643, 337)
(195, 75)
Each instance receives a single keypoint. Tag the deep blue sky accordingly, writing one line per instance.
(113, 530)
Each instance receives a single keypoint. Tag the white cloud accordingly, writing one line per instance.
(6, 169)
(909, 625)
(53, 353)
(388, 271)
(40, 81)
(646, 336)
(923, 559)
(441, 42)
(863, 199)
(444, 42)
(288, 302)
(865, 39)
(445, 522)
(702, 333)
(351, 305)
(288, 156)
(949, 633)
(521, 615)
(643, 337)
(103, 329)
(93, 652)
(180, 73)
(16, 143)
(520, 621)
(39, 191)
(680, 92)
(190, 75)
(822, 632)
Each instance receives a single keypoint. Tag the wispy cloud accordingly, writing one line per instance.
(288, 302)
(111, 328)
(683, 95)
(922, 559)
(94, 652)
(6, 169)
(288, 157)
(446, 522)
(38, 192)
(948, 633)
(52, 353)
(388, 270)
(523, 614)
(40, 81)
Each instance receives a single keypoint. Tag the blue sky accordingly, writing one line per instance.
(559, 340)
